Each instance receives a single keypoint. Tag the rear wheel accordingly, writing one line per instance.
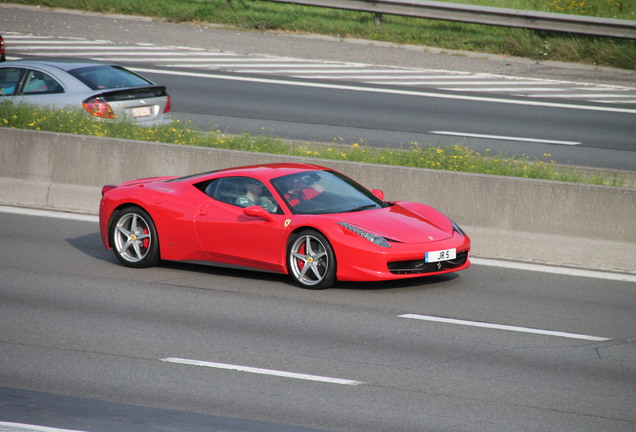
(133, 237)
(311, 261)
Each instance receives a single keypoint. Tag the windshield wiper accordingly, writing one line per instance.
(364, 207)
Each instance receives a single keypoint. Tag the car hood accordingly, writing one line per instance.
(403, 222)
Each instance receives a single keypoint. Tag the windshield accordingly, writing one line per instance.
(322, 192)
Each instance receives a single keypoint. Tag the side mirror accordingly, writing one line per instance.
(258, 211)
(378, 193)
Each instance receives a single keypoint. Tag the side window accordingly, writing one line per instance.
(9, 80)
(38, 82)
(242, 192)
(226, 190)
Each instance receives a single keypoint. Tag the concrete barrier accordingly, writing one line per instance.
(577, 225)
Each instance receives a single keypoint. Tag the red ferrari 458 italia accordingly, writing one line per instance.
(308, 221)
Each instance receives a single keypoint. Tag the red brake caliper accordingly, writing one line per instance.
(301, 251)
(146, 242)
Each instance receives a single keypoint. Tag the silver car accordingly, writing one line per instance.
(104, 90)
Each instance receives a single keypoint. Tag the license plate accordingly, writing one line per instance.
(144, 111)
(443, 255)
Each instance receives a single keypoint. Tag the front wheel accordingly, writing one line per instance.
(133, 237)
(311, 261)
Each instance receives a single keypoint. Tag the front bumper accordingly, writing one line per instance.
(358, 261)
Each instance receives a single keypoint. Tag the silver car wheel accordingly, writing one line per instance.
(311, 261)
(132, 238)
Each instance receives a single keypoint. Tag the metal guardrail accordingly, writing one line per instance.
(532, 20)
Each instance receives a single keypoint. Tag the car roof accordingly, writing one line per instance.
(263, 172)
(63, 63)
(269, 171)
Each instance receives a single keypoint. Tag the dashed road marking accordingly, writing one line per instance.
(260, 371)
(504, 327)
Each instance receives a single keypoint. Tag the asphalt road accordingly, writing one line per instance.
(386, 116)
(89, 345)
(375, 115)
(359, 357)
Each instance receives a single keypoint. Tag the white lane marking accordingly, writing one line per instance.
(381, 90)
(393, 75)
(475, 82)
(477, 88)
(506, 138)
(621, 277)
(22, 427)
(614, 101)
(260, 371)
(74, 44)
(587, 95)
(546, 90)
(504, 327)
(244, 63)
(75, 49)
(55, 214)
(140, 55)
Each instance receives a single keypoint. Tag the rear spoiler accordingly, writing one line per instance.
(138, 182)
(134, 93)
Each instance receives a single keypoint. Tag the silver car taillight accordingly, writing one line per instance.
(98, 107)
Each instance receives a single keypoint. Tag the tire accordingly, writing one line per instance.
(133, 237)
(311, 261)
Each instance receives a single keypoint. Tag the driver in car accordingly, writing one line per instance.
(298, 189)
(254, 196)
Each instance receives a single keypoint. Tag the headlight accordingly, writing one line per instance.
(458, 229)
(376, 239)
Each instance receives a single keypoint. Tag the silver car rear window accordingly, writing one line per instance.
(108, 77)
